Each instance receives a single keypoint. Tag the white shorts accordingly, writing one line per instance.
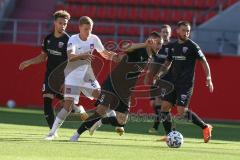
(80, 80)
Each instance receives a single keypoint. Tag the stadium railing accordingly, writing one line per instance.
(32, 32)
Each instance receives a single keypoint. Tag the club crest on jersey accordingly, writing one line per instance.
(60, 44)
(172, 49)
(184, 49)
(48, 41)
(183, 97)
(91, 46)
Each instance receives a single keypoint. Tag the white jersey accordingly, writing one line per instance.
(79, 73)
(77, 46)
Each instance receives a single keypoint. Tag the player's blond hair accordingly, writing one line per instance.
(166, 26)
(61, 14)
(85, 20)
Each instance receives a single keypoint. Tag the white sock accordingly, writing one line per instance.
(61, 116)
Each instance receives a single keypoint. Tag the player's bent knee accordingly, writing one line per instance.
(48, 95)
(166, 106)
(101, 110)
(68, 103)
(96, 93)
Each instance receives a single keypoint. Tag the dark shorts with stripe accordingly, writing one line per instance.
(180, 96)
(110, 98)
(53, 84)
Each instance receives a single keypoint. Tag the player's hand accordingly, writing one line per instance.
(149, 42)
(209, 84)
(87, 56)
(24, 65)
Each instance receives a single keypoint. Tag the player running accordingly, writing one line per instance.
(54, 51)
(117, 88)
(182, 56)
(158, 59)
(79, 76)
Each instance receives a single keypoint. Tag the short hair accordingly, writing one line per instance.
(166, 26)
(155, 34)
(85, 20)
(61, 14)
(183, 23)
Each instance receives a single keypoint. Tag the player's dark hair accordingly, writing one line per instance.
(61, 14)
(183, 23)
(85, 20)
(155, 34)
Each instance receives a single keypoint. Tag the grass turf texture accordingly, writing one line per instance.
(22, 132)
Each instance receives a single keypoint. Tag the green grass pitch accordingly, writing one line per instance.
(22, 138)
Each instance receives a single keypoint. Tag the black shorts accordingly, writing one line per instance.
(53, 85)
(161, 88)
(180, 96)
(110, 98)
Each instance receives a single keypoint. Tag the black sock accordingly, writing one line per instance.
(111, 120)
(48, 111)
(191, 116)
(157, 110)
(167, 121)
(89, 123)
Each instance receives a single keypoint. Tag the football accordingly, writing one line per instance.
(174, 139)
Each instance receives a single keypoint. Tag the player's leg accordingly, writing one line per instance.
(156, 104)
(183, 101)
(165, 116)
(168, 102)
(48, 109)
(97, 115)
(118, 120)
(71, 97)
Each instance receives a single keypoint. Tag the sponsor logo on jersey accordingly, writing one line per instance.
(60, 44)
(53, 52)
(92, 46)
(179, 58)
(184, 49)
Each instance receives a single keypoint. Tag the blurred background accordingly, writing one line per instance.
(215, 27)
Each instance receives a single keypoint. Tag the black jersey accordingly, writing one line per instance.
(132, 64)
(183, 57)
(56, 50)
(124, 77)
(162, 54)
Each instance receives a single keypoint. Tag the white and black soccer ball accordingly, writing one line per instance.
(174, 139)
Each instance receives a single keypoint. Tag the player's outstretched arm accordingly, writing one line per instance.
(133, 46)
(207, 73)
(36, 60)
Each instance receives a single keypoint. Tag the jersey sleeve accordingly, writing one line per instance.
(44, 46)
(71, 46)
(98, 44)
(197, 51)
(169, 53)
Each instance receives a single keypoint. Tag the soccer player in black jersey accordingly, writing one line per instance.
(182, 56)
(158, 59)
(117, 88)
(54, 51)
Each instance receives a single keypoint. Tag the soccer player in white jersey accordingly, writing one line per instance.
(79, 76)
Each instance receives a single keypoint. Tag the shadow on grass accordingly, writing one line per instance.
(221, 131)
